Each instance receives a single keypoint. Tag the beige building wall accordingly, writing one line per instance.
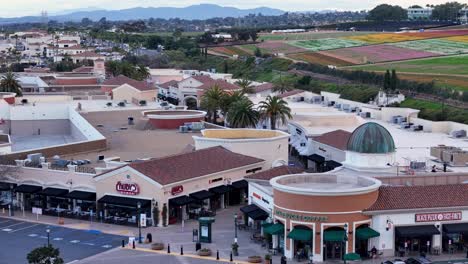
(127, 93)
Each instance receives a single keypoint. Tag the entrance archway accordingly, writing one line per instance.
(334, 243)
(302, 237)
(361, 246)
(191, 102)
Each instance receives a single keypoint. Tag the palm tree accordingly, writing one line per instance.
(10, 84)
(228, 99)
(282, 85)
(274, 109)
(142, 72)
(211, 101)
(242, 114)
(246, 85)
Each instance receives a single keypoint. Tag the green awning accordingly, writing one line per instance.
(266, 224)
(300, 234)
(274, 229)
(352, 257)
(334, 236)
(366, 233)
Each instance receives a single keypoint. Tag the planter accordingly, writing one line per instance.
(205, 252)
(254, 259)
(61, 221)
(157, 246)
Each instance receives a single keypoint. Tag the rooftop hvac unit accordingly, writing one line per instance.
(417, 165)
(459, 133)
(35, 158)
(183, 129)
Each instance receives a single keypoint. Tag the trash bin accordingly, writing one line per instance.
(149, 238)
(283, 260)
(130, 121)
(197, 246)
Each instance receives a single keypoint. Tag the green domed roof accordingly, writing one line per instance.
(371, 138)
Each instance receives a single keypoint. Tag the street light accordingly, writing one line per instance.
(48, 237)
(139, 223)
(235, 228)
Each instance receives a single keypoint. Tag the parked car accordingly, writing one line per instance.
(396, 261)
(420, 260)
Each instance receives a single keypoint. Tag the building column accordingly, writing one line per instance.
(437, 239)
(223, 205)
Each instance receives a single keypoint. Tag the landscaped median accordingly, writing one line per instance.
(176, 252)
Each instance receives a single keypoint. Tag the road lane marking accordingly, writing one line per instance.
(75, 241)
(7, 229)
(14, 225)
(58, 239)
(107, 246)
(24, 228)
(5, 221)
(32, 235)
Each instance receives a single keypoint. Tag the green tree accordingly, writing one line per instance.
(211, 102)
(274, 109)
(228, 99)
(242, 114)
(282, 85)
(142, 73)
(393, 80)
(45, 255)
(10, 84)
(246, 85)
(447, 12)
(225, 67)
(386, 12)
(257, 52)
(387, 81)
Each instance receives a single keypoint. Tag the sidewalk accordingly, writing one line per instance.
(181, 236)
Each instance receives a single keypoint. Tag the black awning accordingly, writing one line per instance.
(333, 164)
(202, 195)
(416, 231)
(80, 195)
(258, 214)
(54, 192)
(5, 186)
(249, 208)
(316, 158)
(220, 189)
(240, 184)
(455, 228)
(124, 201)
(26, 188)
(181, 200)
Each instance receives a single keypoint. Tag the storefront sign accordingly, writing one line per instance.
(143, 220)
(177, 189)
(127, 188)
(260, 198)
(215, 180)
(434, 217)
(304, 218)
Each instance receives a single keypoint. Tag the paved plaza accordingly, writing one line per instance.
(176, 235)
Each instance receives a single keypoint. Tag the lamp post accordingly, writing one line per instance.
(343, 251)
(12, 212)
(48, 237)
(235, 228)
(139, 222)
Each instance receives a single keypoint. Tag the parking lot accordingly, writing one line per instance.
(19, 238)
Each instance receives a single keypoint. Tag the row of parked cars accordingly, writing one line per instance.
(420, 260)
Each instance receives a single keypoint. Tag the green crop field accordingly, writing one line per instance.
(312, 35)
(440, 65)
(440, 46)
(327, 43)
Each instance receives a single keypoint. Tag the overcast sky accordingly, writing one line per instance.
(13, 8)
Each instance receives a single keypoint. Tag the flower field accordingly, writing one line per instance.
(458, 38)
(230, 51)
(376, 53)
(327, 43)
(440, 46)
(318, 58)
(407, 36)
(311, 35)
(279, 47)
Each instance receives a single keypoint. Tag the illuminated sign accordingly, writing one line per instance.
(298, 217)
(127, 188)
(435, 217)
(177, 189)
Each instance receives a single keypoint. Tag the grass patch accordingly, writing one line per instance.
(437, 111)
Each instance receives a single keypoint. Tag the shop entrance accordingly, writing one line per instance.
(302, 242)
(362, 236)
(414, 240)
(334, 243)
(454, 237)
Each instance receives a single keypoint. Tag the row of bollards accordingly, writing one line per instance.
(283, 259)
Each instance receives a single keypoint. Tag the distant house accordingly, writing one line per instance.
(130, 90)
(419, 13)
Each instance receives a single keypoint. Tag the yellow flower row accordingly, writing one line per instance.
(458, 38)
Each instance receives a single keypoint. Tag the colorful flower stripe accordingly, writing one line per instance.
(279, 47)
(408, 36)
(327, 44)
(440, 46)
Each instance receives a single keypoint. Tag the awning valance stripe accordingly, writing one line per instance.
(202, 195)
(240, 184)
(274, 229)
(366, 233)
(416, 231)
(80, 195)
(181, 200)
(26, 188)
(54, 192)
(456, 228)
(220, 189)
(301, 234)
(124, 201)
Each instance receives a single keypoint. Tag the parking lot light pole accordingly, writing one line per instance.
(235, 228)
(139, 222)
(48, 237)
(12, 211)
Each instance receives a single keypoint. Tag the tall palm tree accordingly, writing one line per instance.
(282, 85)
(211, 101)
(242, 114)
(246, 85)
(275, 109)
(142, 72)
(10, 84)
(228, 99)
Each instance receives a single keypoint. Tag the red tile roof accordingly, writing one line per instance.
(290, 93)
(263, 87)
(208, 82)
(274, 172)
(419, 197)
(337, 139)
(84, 69)
(72, 81)
(87, 54)
(172, 83)
(191, 165)
(122, 79)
